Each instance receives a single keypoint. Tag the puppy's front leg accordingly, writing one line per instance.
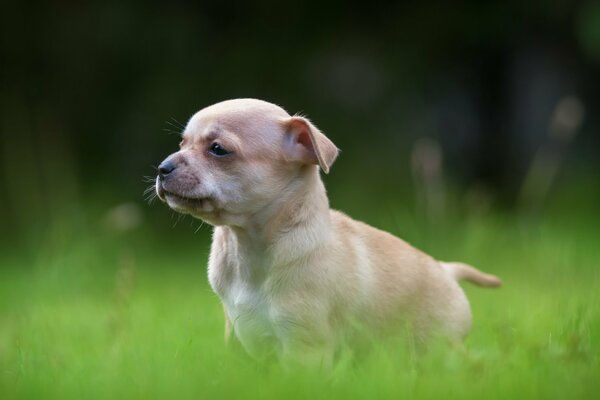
(231, 341)
(306, 342)
(228, 327)
(312, 356)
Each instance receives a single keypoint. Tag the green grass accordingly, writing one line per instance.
(93, 314)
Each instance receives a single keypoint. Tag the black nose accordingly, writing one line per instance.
(165, 168)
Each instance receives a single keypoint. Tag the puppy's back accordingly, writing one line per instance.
(399, 282)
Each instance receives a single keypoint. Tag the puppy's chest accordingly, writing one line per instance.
(248, 308)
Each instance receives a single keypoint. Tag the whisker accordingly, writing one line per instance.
(150, 187)
(150, 194)
(197, 229)
(171, 131)
(182, 126)
(151, 197)
(179, 217)
(178, 129)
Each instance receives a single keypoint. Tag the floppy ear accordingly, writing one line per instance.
(306, 144)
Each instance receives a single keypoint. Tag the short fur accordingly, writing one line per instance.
(296, 278)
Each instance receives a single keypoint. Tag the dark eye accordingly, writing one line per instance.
(217, 150)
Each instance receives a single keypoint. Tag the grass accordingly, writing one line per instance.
(90, 313)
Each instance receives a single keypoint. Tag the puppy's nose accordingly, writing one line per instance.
(165, 168)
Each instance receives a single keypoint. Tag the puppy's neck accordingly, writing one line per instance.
(292, 225)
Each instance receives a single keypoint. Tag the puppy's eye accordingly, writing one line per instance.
(218, 150)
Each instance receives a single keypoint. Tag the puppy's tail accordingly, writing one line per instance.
(460, 271)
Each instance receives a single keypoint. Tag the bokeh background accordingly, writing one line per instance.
(90, 91)
(468, 128)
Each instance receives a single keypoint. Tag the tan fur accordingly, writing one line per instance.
(462, 271)
(296, 278)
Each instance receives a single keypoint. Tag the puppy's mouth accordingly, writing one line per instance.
(185, 204)
(189, 205)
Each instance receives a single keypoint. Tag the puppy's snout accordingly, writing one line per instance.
(165, 168)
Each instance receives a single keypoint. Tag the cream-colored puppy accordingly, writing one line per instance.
(296, 278)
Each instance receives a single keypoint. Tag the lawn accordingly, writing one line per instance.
(91, 313)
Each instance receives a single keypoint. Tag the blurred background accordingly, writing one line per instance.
(438, 107)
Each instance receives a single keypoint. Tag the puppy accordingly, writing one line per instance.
(296, 278)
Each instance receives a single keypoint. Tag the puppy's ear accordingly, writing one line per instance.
(305, 143)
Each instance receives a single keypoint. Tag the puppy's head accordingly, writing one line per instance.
(236, 157)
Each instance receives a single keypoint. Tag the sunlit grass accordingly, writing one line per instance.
(94, 314)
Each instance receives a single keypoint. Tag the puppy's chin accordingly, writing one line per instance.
(202, 208)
